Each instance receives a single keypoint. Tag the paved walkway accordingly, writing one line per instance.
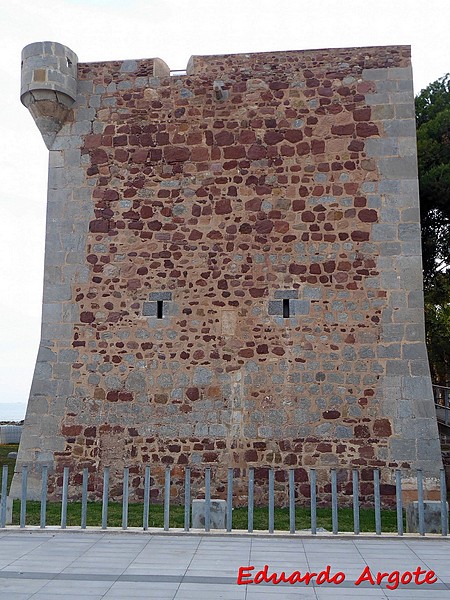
(57, 565)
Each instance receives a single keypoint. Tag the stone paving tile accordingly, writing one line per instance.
(65, 596)
(210, 565)
(84, 589)
(268, 591)
(57, 596)
(418, 594)
(331, 594)
(21, 586)
(139, 594)
(193, 591)
(279, 595)
(126, 589)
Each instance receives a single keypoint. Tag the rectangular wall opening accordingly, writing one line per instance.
(286, 312)
(159, 309)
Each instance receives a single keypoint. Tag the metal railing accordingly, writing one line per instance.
(442, 404)
(292, 507)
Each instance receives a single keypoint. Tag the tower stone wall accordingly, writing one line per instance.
(232, 272)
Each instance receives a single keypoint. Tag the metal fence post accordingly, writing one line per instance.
(207, 499)
(420, 502)
(166, 498)
(230, 500)
(271, 501)
(105, 498)
(251, 483)
(291, 501)
(146, 498)
(313, 484)
(43, 514)
(187, 499)
(334, 502)
(355, 490)
(84, 498)
(4, 493)
(23, 497)
(399, 501)
(376, 492)
(125, 492)
(64, 497)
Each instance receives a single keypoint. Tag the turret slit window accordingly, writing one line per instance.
(286, 304)
(158, 306)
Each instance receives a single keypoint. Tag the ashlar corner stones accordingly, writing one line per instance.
(230, 281)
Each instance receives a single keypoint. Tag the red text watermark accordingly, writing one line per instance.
(391, 580)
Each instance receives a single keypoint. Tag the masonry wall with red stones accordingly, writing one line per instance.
(234, 279)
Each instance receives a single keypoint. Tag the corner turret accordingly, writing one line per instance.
(48, 85)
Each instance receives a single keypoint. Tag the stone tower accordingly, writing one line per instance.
(232, 271)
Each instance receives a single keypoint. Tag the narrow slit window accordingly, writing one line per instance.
(286, 311)
(159, 309)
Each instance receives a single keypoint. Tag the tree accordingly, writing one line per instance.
(433, 147)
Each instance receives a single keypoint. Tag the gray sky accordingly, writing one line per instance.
(100, 30)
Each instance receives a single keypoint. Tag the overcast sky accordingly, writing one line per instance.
(101, 30)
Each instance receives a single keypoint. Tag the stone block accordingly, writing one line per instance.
(293, 294)
(402, 73)
(432, 516)
(384, 232)
(407, 146)
(429, 449)
(419, 368)
(375, 74)
(314, 293)
(395, 128)
(415, 351)
(217, 514)
(403, 450)
(407, 86)
(408, 232)
(390, 249)
(275, 307)
(415, 333)
(398, 168)
(416, 388)
(389, 351)
(149, 309)
(299, 307)
(404, 111)
(375, 99)
(128, 66)
(160, 296)
(381, 147)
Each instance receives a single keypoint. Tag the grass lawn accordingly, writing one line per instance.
(156, 518)
(4, 450)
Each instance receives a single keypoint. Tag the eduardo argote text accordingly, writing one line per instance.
(391, 580)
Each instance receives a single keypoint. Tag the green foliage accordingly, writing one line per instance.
(176, 514)
(433, 147)
(433, 100)
(437, 323)
(5, 449)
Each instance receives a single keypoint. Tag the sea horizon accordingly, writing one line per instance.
(12, 411)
